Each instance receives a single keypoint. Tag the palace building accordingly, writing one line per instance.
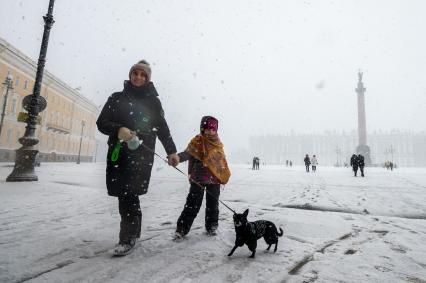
(69, 118)
(404, 148)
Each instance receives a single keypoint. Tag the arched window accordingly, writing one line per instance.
(14, 106)
(9, 135)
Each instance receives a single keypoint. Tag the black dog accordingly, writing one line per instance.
(249, 232)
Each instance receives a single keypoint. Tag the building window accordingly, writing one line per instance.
(9, 135)
(14, 106)
(17, 81)
(25, 84)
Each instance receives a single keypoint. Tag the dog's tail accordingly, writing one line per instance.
(280, 234)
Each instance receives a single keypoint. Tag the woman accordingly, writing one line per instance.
(134, 113)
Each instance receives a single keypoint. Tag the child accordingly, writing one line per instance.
(208, 167)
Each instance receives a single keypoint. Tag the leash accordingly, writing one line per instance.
(190, 179)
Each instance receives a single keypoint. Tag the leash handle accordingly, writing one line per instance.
(116, 152)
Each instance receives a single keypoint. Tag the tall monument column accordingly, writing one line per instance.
(362, 147)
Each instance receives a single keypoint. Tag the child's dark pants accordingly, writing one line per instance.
(193, 205)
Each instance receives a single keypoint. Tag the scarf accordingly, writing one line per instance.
(209, 150)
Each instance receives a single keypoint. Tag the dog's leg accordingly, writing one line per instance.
(276, 244)
(253, 253)
(252, 248)
(233, 250)
(269, 247)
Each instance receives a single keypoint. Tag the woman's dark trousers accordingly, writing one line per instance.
(193, 205)
(131, 217)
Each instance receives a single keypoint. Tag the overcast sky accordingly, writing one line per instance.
(259, 66)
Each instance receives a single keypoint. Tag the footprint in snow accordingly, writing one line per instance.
(350, 252)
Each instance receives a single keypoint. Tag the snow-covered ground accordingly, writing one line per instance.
(337, 228)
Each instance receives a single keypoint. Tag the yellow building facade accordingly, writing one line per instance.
(68, 118)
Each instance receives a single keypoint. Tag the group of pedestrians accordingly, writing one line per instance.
(256, 162)
(133, 119)
(357, 162)
(389, 165)
(310, 162)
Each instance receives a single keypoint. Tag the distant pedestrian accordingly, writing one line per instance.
(354, 164)
(290, 163)
(254, 164)
(286, 163)
(314, 162)
(257, 163)
(361, 164)
(307, 161)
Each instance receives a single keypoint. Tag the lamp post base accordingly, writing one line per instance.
(24, 166)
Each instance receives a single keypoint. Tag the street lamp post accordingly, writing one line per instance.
(81, 139)
(338, 151)
(8, 83)
(34, 104)
(391, 152)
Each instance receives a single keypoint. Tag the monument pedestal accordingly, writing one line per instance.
(362, 147)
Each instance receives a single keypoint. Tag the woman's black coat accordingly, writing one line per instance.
(140, 110)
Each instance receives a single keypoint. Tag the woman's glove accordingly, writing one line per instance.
(125, 134)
